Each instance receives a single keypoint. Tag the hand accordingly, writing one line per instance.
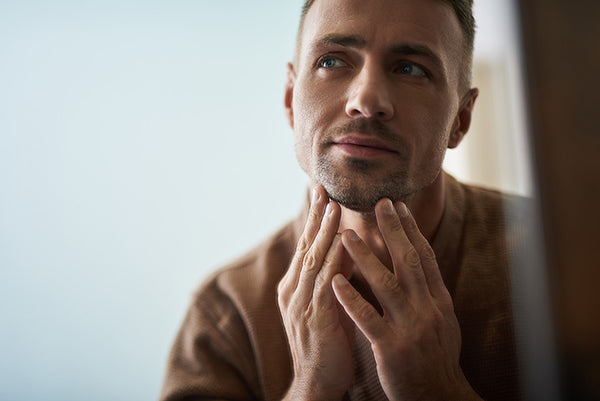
(416, 343)
(315, 324)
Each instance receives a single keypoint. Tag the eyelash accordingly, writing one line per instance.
(328, 57)
(399, 65)
(403, 64)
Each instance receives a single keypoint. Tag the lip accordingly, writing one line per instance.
(362, 147)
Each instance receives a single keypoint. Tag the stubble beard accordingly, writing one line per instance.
(358, 184)
(354, 186)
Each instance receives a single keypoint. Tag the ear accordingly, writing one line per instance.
(289, 94)
(463, 118)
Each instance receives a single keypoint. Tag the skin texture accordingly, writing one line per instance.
(374, 101)
(410, 102)
(318, 330)
(416, 342)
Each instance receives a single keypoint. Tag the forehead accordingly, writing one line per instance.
(386, 23)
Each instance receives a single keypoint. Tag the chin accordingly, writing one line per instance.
(356, 197)
(359, 184)
(365, 209)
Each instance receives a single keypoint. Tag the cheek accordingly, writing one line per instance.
(436, 119)
(304, 128)
(310, 105)
(302, 155)
(314, 112)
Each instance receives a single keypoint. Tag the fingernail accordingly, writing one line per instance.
(402, 210)
(353, 236)
(340, 279)
(315, 195)
(388, 207)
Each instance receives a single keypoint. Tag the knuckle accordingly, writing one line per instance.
(363, 310)
(395, 225)
(283, 307)
(314, 214)
(280, 288)
(302, 245)
(308, 262)
(389, 282)
(282, 296)
(427, 253)
(282, 303)
(411, 258)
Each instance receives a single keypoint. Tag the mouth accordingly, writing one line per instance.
(363, 147)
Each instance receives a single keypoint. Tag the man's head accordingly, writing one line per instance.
(377, 93)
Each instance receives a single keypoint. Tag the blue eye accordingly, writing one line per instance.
(331, 62)
(411, 69)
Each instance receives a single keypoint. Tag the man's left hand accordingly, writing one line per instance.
(416, 343)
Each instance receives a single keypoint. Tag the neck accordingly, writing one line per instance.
(426, 206)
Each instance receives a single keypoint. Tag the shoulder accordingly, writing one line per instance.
(492, 208)
(487, 222)
(250, 281)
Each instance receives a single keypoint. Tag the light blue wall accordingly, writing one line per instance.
(142, 144)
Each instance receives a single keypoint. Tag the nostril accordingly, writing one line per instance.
(370, 103)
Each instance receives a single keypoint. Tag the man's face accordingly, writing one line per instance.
(373, 97)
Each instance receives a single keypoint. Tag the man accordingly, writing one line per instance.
(393, 283)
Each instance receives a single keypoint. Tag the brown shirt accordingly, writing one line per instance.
(232, 345)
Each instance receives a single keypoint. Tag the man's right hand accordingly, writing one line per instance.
(317, 328)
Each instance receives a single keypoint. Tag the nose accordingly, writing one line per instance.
(369, 95)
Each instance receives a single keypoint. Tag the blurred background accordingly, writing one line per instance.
(143, 145)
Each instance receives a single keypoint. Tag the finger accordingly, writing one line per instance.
(332, 264)
(362, 313)
(313, 259)
(429, 264)
(311, 228)
(406, 259)
(384, 284)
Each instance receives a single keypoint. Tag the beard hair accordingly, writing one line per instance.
(356, 189)
(352, 184)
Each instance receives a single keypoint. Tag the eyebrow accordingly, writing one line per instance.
(343, 40)
(418, 50)
(404, 49)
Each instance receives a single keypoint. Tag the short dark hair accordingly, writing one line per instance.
(464, 12)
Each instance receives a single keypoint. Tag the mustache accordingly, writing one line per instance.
(369, 127)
